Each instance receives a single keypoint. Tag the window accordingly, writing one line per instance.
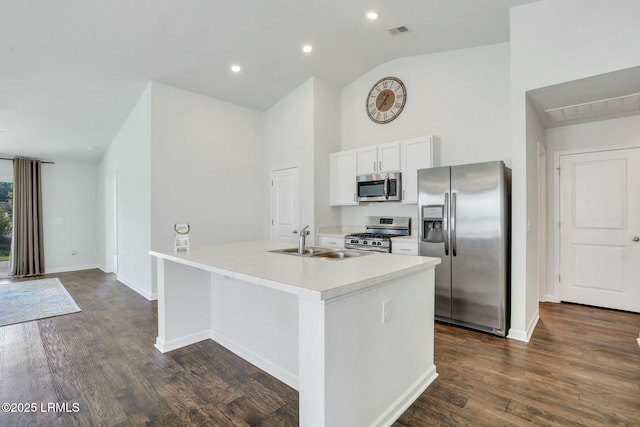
(6, 225)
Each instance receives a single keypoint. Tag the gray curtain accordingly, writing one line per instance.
(27, 256)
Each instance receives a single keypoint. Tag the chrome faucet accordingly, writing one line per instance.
(302, 239)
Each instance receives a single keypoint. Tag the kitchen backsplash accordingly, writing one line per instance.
(357, 215)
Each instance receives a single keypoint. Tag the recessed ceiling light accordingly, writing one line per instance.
(307, 48)
(372, 15)
(236, 68)
(90, 147)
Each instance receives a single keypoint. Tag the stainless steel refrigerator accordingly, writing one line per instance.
(465, 214)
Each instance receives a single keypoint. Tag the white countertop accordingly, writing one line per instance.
(315, 278)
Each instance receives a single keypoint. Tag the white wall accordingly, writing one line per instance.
(206, 168)
(554, 42)
(461, 97)
(300, 131)
(6, 171)
(288, 142)
(70, 210)
(128, 158)
(326, 136)
(623, 132)
(535, 134)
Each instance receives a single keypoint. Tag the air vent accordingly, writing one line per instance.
(398, 30)
(603, 107)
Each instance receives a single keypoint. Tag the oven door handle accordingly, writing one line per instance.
(373, 249)
(386, 187)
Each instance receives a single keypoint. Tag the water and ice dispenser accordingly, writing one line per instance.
(432, 222)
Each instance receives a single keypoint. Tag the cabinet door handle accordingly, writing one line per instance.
(374, 166)
(380, 165)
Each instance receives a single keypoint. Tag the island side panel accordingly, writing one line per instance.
(257, 323)
(184, 311)
(357, 369)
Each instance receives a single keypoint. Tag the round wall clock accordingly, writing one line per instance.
(386, 100)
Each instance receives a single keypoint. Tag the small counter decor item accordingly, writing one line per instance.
(182, 237)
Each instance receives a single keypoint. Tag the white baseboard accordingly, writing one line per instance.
(289, 378)
(166, 346)
(148, 295)
(397, 408)
(68, 269)
(551, 298)
(524, 336)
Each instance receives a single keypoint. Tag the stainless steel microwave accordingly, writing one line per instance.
(381, 187)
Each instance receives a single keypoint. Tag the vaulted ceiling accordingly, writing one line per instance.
(72, 70)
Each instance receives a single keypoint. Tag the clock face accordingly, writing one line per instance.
(386, 100)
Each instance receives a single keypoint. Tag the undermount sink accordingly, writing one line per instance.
(308, 251)
(314, 251)
(342, 254)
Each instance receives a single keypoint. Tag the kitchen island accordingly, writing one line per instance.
(354, 336)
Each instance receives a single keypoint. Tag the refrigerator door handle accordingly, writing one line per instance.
(445, 224)
(454, 242)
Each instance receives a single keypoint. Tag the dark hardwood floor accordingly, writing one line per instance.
(582, 367)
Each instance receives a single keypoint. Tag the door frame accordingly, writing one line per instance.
(114, 213)
(542, 223)
(556, 209)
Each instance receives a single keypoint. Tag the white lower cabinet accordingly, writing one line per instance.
(404, 248)
(331, 241)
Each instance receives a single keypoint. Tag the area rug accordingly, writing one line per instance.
(34, 299)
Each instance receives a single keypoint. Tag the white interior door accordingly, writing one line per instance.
(600, 229)
(285, 204)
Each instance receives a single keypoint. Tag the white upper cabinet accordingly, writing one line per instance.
(416, 153)
(367, 160)
(379, 158)
(389, 157)
(343, 173)
(406, 156)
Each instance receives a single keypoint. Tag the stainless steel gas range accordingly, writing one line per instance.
(380, 230)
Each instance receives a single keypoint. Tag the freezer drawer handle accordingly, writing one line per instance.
(445, 224)
(454, 241)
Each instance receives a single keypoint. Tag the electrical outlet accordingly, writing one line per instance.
(386, 310)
